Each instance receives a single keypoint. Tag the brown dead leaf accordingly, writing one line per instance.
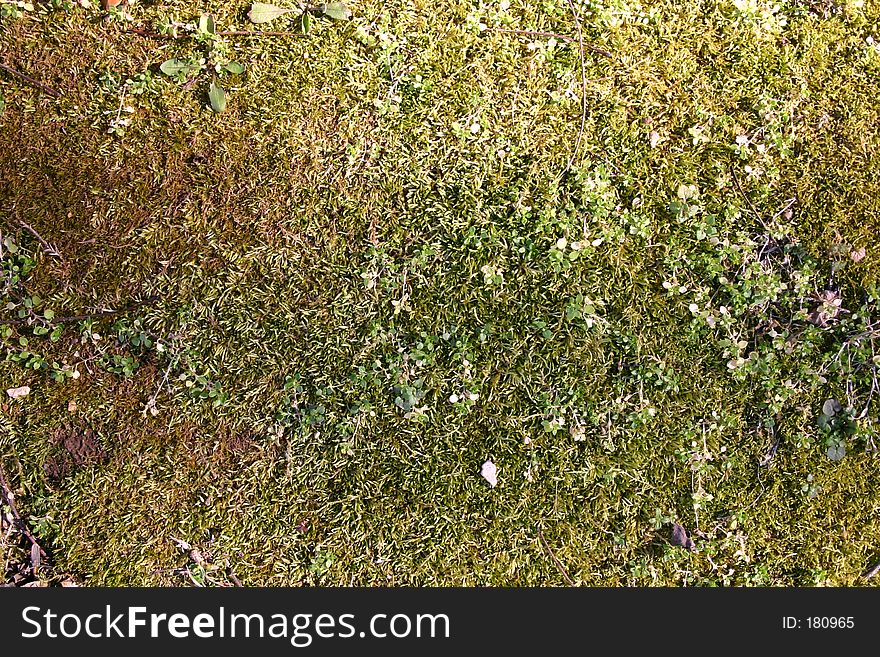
(36, 556)
(827, 309)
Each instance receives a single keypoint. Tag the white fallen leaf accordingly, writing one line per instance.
(18, 393)
(490, 473)
(654, 139)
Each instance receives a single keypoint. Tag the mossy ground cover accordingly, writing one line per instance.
(290, 333)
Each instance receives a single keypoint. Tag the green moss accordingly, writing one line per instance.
(424, 164)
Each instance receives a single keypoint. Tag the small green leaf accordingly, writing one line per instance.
(217, 97)
(305, 22)
(174, 67)
(235, 68)
(336, 10)
(49, 314)
(206, 24)
(263, 13)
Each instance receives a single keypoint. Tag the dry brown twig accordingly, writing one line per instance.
(94, 315)
(556, 561)
(244, 33)
(580, 136)
(232, 576)
(31, 81)
(48, 248)
(873, 570)
(748, 200)
(38, 554)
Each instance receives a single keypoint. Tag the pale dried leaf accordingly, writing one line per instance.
(336, 10)
(858, 254)
(490, 473)
(18, 393)
(183, 545)
(262, 12)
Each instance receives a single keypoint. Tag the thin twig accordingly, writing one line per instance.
(788, 205)
(260, 33)
(232, 576)
(48, 248)
(248, 33)
(552, 35)
(761, 494)
(774, 447)
(873, 570)
(78, 318)
(748, 200)
(8, 496)
(558, 563)
(580, 136)
(151, 403)
(31, 81)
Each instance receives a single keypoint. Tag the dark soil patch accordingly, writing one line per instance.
(76, 447)
(238, 442)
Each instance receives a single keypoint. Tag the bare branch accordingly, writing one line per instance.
(31, 81)
(556, 561)
(48, 248)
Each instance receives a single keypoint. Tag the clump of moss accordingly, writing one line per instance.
(298, 327)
